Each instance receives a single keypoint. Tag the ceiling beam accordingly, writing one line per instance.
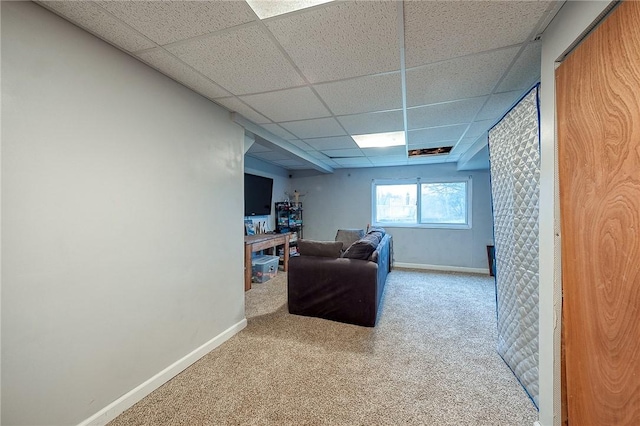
(249, 140)
(271, 141)
(477, 156)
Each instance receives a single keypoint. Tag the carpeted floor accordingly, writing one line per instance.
(431, 360)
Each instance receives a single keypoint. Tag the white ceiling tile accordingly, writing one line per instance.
(169, 21)
(343, 153)
(341, 41)
(459, 149)
(468, 141)
(478, 128)
(317, 128)
(462, 146)
(427, 159)
(433, 144)
(99, 22)
(389, 160)
(318, 155)
(168, 64)
(299, 103)
(278, 131)
(444, 114)
(234, 104)
(458, 78)
(498, 105)
(364, 94)
(353, 162)
(374, 122)
(323, 158)
(390, 151)
(242, 61)
(526, 70)
(463, 27)
(417, 137)
(300, 144)
(350, 52)
(339, 142)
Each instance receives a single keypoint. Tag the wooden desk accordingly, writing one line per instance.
(253, 243)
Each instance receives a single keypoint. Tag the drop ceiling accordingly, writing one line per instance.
(303, 82)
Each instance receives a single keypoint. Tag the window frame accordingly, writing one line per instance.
(418, 181)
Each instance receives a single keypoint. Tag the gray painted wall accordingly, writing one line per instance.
(343, 200)
(121, 220)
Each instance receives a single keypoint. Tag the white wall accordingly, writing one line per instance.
(280, 178)
(571, 21)
(121, 218)
(343, 200)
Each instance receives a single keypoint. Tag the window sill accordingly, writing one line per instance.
(423, 225)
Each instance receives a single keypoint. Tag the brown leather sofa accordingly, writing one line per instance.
(346, 288)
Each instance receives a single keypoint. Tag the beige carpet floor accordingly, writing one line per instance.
(431, 360)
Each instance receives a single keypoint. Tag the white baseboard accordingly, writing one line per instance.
(484, 271)
(118, 406)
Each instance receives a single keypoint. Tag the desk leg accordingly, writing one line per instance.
(247, 267)
(285, 263)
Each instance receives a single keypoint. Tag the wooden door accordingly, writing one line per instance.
(598, 107)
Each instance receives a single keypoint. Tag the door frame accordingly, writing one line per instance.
(566, 29)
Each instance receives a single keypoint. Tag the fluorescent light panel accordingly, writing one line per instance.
(268, 8)
(380, 140)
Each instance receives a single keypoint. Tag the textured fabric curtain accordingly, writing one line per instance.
(514, 152)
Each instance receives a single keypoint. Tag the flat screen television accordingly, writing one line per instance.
(257, 195)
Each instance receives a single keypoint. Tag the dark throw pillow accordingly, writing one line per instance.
(363, 248)
(381, 230)
(330, 249)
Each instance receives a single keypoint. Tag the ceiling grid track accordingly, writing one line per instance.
(403, 75)
(533, 36)
(315, 77)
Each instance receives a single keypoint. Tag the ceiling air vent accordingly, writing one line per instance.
(429, 151)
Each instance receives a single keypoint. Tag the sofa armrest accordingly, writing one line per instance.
(337, 289)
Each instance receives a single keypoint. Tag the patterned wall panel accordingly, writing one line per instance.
(515, 173)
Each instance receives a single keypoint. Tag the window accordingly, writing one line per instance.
(422, 203)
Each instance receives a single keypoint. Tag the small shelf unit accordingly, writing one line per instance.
(289, 219)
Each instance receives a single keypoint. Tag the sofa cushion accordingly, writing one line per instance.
(330, 249)
(349, 236)
(363, 248)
